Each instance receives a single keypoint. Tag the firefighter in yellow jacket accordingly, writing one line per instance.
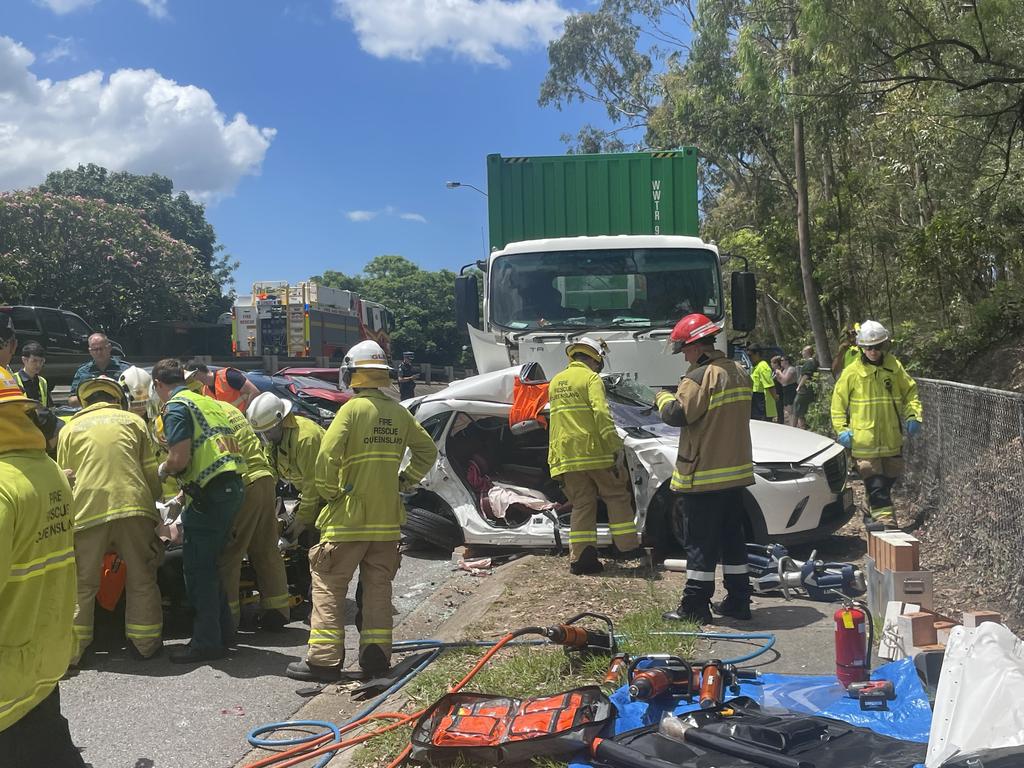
(712, 408)
(255, 530)
(585, 453)
(116, 489)
(37, 590)
(357, 474)
(872, 402)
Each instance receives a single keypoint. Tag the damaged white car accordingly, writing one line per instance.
(490, 485)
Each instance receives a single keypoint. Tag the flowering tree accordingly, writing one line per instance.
(101, 260)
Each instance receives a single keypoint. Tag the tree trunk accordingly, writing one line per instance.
(812, 293)
(773, 318)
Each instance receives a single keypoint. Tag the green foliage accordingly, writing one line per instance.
(104, 261)
(423, 303)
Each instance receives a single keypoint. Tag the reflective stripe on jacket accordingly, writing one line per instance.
(358, 466)
(257, 464)
(583, 435)
(712, 409)
(111, 452)
(44, 388)
(214, 447)
(873, 401)
(37, 581)
(294, 461)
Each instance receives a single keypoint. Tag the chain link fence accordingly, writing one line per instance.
(963, 483)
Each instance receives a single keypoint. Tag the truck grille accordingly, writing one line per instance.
(835, 472)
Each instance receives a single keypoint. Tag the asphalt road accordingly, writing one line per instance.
(131, 714)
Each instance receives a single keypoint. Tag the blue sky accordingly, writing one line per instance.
(320, 132)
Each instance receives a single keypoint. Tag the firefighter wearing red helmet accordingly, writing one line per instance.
(712, 408)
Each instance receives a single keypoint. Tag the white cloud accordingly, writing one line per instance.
(157, 8)
(63, 48)
(387, 210)
(361, 215)
(135, 120)
(475, 29)
(65, 6)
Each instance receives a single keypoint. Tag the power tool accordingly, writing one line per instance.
(577, 639)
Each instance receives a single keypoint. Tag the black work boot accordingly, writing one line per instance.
(373, 660)
(189, 654)
(301, 670)
(694, 611)
(587, 563)
(734, 606)
(871, 524)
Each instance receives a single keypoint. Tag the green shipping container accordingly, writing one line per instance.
(635, 193)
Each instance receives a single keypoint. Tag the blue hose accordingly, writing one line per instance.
(254, 736)
(738, 636)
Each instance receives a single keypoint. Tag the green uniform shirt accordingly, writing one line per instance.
(358, 466)
(583, 434)
(37, 581)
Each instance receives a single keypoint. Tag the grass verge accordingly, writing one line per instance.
(538, 671)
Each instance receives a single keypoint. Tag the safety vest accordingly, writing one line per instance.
(583, 434)
(712, 409)
(223, 391)
(762, 381)
(44, 389)
(111, 452)
(873, 401)
(256, 463)
(214, 445)
(38, 592)
(358, 465)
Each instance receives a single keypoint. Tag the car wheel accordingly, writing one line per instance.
(436, 528)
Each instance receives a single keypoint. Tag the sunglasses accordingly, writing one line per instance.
(870, 347)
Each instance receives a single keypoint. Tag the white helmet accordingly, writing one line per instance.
(596, 349)
(871, 333)
(267, 410)
(136, 383)
(364, 356)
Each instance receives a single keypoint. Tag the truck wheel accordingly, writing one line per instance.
(436, 528)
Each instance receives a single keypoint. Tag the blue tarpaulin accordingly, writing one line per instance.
(909, 716)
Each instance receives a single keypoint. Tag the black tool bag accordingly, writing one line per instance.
(494, 730)
(818, 741)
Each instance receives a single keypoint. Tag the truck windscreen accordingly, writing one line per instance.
(611, 288)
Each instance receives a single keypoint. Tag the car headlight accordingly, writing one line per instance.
(780, 473)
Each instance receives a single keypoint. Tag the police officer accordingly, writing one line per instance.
(102, 364)
(712, 407)
(357, 473)
(406, 377)
(33, 357)
(116, 489)
(202, 453)
(765, 401)
(585, 453)
(872, 402)
(255, 530)
(37, 590)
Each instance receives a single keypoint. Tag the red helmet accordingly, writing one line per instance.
(690, 329)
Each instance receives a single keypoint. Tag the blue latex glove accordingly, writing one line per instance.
(913, 427)
(845, 438)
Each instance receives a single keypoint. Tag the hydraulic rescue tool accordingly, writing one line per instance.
(577, 639)
(663, 674)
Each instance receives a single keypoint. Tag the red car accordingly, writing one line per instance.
(317, 385)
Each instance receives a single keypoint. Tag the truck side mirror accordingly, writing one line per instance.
(467, 303)
(744, 301)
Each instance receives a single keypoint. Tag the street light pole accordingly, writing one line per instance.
(457, 184)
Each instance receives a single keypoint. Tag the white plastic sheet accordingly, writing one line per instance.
(979, 703)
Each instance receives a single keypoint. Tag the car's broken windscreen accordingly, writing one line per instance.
(633, 409)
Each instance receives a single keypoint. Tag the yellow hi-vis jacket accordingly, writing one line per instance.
(873, 401)
(358, 467)
(111, 452)
(583, 434)
(250, 448)
(37, 581)
(712, 409)
(294, 461)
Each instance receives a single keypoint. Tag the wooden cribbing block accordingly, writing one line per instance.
(973, 619)
(942, 630)
(916, 629)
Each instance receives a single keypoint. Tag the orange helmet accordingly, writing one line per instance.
(690, 329)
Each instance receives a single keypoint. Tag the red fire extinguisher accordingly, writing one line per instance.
(854, 638)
